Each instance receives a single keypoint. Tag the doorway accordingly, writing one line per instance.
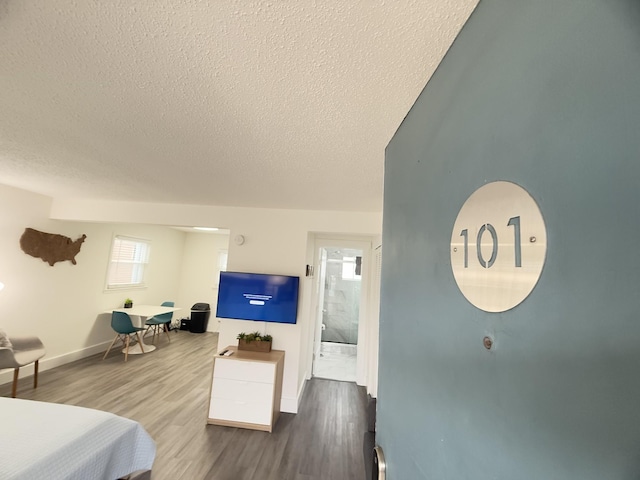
(338, 312)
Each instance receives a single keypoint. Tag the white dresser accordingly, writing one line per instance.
(246, 388)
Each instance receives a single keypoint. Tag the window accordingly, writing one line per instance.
(223, 255)
(129, 257)
(351, 268)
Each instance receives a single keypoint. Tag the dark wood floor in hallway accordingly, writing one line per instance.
(167, 391)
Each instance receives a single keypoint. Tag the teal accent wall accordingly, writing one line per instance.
(545, 94)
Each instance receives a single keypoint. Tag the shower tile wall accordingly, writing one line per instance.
(341, 307)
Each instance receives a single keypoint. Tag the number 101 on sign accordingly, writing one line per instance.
(498, 246)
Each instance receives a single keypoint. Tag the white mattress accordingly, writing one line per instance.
(51, 441)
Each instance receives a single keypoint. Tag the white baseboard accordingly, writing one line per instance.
(291, 404)
(288, 405)
(48, 363)
(301, 391)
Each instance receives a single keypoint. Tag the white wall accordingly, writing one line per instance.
(63, 304)
(281, 249)
(199, 273)
(276, 242)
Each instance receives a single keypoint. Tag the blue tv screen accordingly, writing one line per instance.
(258, 296)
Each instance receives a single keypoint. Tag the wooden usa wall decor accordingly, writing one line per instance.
(50, 247)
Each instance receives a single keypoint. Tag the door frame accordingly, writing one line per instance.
(364, 322)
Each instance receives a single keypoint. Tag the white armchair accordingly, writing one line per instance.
(16, 352)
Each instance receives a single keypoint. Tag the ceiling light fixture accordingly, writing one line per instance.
(206, 229)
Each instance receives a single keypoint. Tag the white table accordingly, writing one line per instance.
(142, 312)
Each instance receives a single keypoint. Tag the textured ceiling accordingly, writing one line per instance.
(281, 104)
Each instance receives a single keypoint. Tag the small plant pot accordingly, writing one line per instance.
(254, 346)
(128, 305)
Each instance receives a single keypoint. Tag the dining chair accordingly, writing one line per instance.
(124, 328)
(160, 322)
(16, 352)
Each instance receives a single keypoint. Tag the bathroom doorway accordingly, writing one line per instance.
(338, 312)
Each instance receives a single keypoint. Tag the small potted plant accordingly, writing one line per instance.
(254, 342)
(128, 303)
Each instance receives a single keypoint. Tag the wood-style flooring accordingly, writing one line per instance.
(167, 391)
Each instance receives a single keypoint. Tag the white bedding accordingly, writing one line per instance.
(51, 441)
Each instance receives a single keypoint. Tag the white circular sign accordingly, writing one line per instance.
(498, 246)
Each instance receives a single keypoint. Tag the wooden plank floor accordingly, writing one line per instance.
(167, 391)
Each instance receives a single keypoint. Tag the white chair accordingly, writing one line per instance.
(16, 352)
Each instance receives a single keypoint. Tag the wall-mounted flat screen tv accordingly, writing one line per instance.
(258, 296)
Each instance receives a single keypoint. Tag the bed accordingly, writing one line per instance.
(55, 441)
